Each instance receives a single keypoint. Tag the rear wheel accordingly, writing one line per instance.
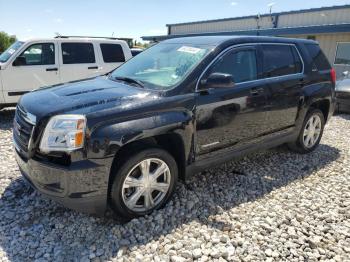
(311, 132)
(144, 182)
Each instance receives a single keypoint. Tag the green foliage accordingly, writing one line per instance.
(5, 41)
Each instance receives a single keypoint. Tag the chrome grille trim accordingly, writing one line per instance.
(23, 128)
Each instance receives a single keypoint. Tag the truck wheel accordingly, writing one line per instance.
(143, 183)
(310, 133)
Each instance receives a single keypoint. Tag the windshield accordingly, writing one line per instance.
(10, 51)
(163, 65)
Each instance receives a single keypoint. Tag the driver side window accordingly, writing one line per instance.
(240, 64)
(39, 54)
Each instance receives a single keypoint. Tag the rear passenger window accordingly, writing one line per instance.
(320, 61)
(112, 53)
(279, 60)
(78, 53)
(240, 64)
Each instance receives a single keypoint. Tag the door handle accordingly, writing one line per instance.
(93, 67)
(52, 69)
(256, 91)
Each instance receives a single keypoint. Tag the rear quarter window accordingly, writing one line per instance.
(319, 60)
(112, 53)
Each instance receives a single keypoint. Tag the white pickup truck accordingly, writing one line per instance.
(36, 63)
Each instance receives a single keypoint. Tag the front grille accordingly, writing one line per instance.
(23, 125)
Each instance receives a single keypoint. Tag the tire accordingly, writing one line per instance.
(301, 145)
(130, 183)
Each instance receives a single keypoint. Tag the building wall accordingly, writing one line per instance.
(221, 26)
(326, 17)
(293, 19)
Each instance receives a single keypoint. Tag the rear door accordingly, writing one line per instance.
(78, 61)
(283, 79)
(38, 68)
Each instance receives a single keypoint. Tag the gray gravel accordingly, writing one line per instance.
(270, 206)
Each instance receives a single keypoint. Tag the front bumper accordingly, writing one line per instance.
(83, 186)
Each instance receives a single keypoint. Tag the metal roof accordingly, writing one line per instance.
(264, 15)
(317, 29)
(219, 39)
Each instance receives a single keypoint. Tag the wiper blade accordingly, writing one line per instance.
(130, 80)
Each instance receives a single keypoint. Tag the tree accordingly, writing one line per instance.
(5, 41)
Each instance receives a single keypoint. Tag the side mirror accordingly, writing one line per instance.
(217, 80)
(19, 61)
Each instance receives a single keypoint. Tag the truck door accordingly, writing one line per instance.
(35, 67)
(78, 61)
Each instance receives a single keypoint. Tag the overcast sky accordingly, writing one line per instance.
(42, 18)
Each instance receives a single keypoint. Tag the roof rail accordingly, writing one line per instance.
(77, 36)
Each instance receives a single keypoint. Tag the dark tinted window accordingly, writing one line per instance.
(112, 53)
(279, 60)
(78, 53)
(320, 61)
(240, 64)
(39, 54)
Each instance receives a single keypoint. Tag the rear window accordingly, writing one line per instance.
(112, 53)
(320, 61)
(279, 60)
(78, 53)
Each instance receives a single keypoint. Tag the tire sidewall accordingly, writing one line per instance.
(301, 145)
(116, 198)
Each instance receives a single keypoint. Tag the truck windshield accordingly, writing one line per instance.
(163, 65)
(10, 51)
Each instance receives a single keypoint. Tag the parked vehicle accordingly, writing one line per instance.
(136, 51)
(342, 91)
(36, 63)
(179, 107)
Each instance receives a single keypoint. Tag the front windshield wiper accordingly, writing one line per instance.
(129, 80)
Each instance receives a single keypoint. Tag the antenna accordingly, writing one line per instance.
(258, 21)
(270, 5)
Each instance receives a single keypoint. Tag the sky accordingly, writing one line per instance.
(43, 18)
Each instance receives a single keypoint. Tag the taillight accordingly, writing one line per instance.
(333, 76)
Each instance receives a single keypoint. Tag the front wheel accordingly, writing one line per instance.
(144, 182)
(311, 132)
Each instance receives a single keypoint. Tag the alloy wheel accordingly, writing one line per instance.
(146, 185)
(312, 131)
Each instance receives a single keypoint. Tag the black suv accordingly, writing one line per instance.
(124, 139)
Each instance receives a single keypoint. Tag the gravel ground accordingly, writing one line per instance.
(270, 206)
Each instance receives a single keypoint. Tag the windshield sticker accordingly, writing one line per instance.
(11, 51)
(189, 49)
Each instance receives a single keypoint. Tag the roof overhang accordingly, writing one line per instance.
(303, 30)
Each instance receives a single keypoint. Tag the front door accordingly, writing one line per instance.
(231, 115)
(35, 67)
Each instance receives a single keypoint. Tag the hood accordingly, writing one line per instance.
(343, 85)
(85, 97)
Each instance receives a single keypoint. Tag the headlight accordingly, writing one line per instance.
(64, 133)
